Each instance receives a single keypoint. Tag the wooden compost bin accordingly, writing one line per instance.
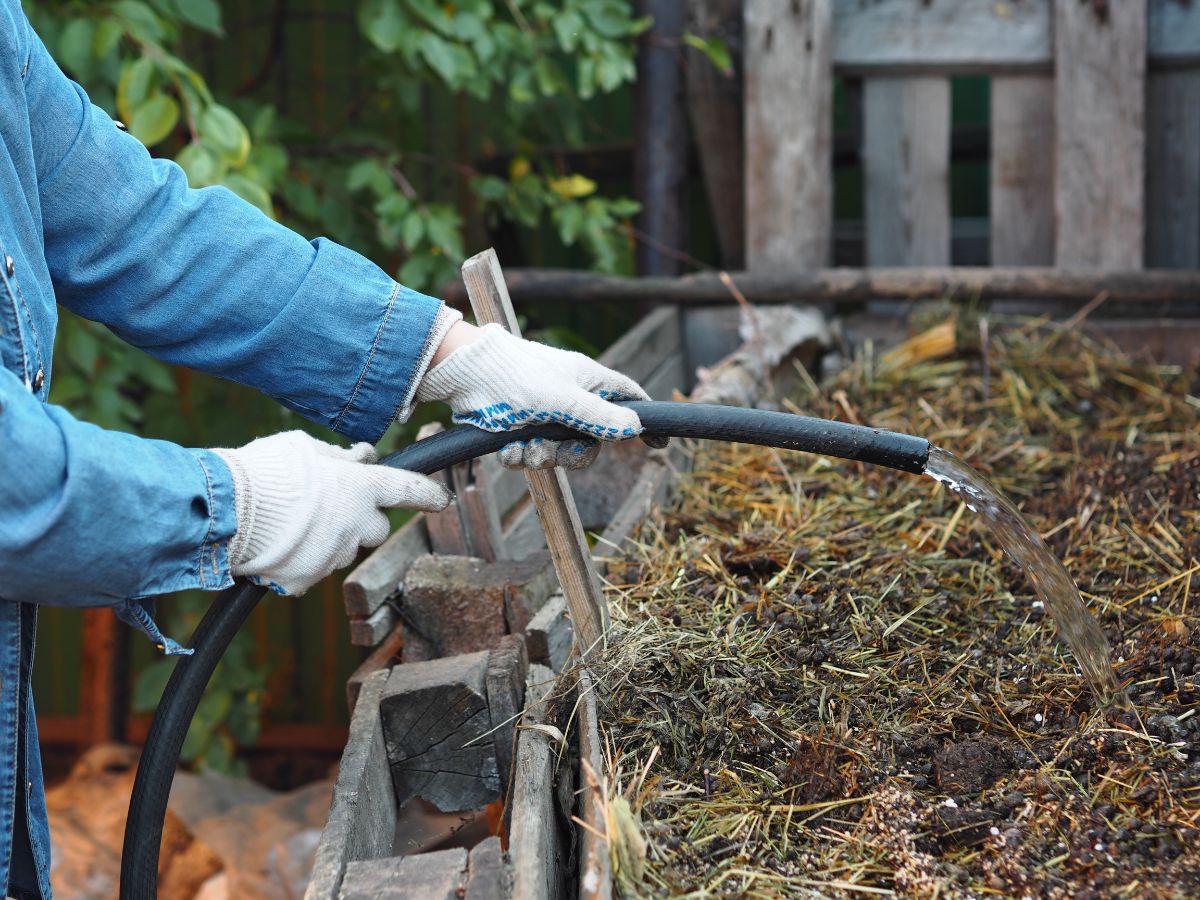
(470, 641)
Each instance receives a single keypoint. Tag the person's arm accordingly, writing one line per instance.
(202, 278)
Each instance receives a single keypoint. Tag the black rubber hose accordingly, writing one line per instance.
(160, 756)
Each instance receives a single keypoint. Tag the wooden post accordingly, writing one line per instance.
(789, 134)
(105, 655)
(1022, 189)
(906, 163)
(1100, 82)
(715, 110)
(549, 488)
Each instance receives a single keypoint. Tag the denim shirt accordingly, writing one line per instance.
(90, 517)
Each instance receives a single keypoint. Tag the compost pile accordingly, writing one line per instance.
(827, 679)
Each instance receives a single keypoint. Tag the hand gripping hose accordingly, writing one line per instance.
(156, 770)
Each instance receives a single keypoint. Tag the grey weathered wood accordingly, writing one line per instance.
(440, 875)
(549, 635)
(385, 655)
(489, 876)
(599, 488)
(445, 527)
(481, 507)
(436, 728)
(507, 669)
(1173, 32)
(907, 37)
(362, 816)
(1173, 168)
(379, 575)
(460, 604)
(648, 491)
(670, 376)
(533, 842)
(595, 865)
(549, 488)
(1100, 90)
(715, 110)
(1022, 188)
(789, 133)
(638, 351)
(906, 167)
(367, 631)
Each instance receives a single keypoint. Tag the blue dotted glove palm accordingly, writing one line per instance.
(501, 382)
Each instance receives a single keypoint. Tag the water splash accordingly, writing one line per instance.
(1049, 578)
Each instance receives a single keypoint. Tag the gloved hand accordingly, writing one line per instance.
(500, 382)
(304, 507)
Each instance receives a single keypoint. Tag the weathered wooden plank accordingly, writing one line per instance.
(595, 866)
(439, 875)
(648, 491)
(549, 635)
(478, 510)
(638, 351)
(1100, 90)
(533, 841)
(789, 133)
(1173, 168)
(549, 488)
(445, 527)
(436, 728)
(386, 654)
(715, 110)
(1173, 32)
(460, 604)
(489, 876)
(367, 631)
(670, 376)
(507, 669)
(600, 487)
(379, 575)
(906, 168)
(942, 36)
(362, 816)
(1022, 188)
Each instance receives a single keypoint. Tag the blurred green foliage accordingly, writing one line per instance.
(536, 64)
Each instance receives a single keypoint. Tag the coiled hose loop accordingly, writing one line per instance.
(156, 770)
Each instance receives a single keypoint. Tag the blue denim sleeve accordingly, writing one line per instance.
(135, 517)
(204, 279)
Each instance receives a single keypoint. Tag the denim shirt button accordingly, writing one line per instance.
(121, 125)
(38, 380)
(8, 265)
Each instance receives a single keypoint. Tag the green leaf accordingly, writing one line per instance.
(219, 754)
(570, 222)
(413, 229)
(154, 120)
(75, 48)
(245, 722)
(140, 19)
(416, 272)
(489, 188)
(83, 349)
(716, 51)
(133, 89)
(201, 164)
(150, 684)
(567, 26)
(224, 132)
(369, 173)
(250, 191)
(624, 207)
(384, 23)
(108, 35)
(203, 14)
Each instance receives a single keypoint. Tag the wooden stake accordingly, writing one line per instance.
(549, 488)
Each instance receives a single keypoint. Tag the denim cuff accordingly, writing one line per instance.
(140, 614)
(446, 319)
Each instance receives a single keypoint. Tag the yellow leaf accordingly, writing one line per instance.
(518, 168)
(573, 187)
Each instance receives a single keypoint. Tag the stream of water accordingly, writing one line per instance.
(1049, 578)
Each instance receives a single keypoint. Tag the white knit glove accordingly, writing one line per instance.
(304, 507)
(500, 382)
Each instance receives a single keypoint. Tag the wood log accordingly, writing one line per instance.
(459, 604)
(362, 817)
(367, 631)
(549, 635)
(715, 110)
(854, 287)
(440, 875)
(436, 727)
(385, 655)
(1100, 97)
